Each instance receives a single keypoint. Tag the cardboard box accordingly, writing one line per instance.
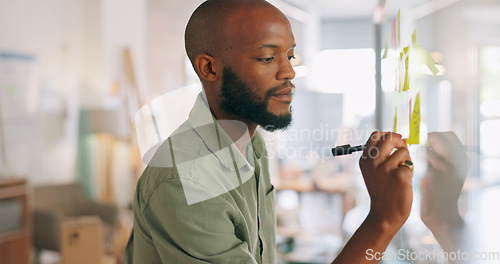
(82, 240)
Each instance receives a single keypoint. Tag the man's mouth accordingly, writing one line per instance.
(284, 94)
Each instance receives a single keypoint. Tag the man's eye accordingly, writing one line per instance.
(266, 59)
(291, 57)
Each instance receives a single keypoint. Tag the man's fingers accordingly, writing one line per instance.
(446, 151)
(374, 138)
(439, 144)
(436, 161)
(396, 160)
(377, 138)
(370, 151)
(380, 146)
(389, 142)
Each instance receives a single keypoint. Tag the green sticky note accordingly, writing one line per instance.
(386, 46)
(406, 85)
(430, 62)
(414, 37)
(405, 51)
(401, 71)
(415, 123)
(395, 126)
(11, 89)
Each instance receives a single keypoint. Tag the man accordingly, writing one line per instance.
(206, 196)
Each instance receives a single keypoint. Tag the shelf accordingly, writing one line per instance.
(15, 245)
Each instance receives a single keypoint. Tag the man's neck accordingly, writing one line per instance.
(238, 129)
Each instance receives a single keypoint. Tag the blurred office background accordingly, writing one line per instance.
(73, 75)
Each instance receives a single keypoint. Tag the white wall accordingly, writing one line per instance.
(347, 34)
(166, 55)
(51, 32)
(78, 46)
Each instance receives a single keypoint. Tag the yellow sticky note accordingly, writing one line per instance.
(401, 69)
(415, 123)
(406, 51)
(430, 63)
(399, 31)
(406, 84)
(395, 126)
(414, 37)
(386, 46)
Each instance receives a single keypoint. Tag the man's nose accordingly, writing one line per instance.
(286, 71)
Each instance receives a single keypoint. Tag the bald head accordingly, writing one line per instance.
(242, 51)
(206, 30)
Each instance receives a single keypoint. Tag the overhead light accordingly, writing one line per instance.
(436, 56)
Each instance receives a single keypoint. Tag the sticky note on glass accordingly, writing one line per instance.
(399, 28)
(406, 85)
(395, 125)
(415, 123)
(414, 37)
(386, 47)
(430, 63)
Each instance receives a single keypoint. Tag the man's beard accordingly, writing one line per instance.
(239, 100)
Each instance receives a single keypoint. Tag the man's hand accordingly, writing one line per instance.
(390, 187)
(447, 166)
(388, 182)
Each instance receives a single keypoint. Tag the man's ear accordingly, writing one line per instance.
(206, 67)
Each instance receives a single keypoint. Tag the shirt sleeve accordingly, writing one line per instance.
(203, 232)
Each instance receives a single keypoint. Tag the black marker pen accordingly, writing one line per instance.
(346, 149)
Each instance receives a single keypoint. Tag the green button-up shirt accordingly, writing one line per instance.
(200, 201)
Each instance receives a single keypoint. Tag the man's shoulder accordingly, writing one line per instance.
(182, 144)
(190, 183)
(184, 164)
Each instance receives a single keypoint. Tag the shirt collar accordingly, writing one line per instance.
(217, 140)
